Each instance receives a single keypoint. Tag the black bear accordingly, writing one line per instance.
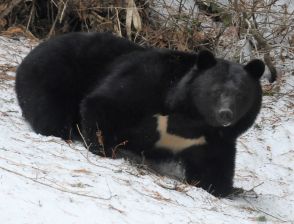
(109, 84)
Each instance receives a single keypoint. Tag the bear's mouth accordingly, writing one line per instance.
(225, 116)
(227, 124)
(215, 123)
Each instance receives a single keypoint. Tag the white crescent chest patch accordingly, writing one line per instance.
(173, 142)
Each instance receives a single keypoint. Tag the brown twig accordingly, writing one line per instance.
(263, 44)
(83, 138)
(12, 4)
(262, 211)
(115, 149)
(56, 188)
(59, 13)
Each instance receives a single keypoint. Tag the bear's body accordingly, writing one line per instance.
(54, 78)
(110, 84)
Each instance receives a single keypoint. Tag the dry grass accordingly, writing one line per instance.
(238, 31)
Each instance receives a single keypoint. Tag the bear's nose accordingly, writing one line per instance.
(225, 117)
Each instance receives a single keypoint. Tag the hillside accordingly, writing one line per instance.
(46, 180)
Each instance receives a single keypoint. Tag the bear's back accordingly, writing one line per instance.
(74, 60)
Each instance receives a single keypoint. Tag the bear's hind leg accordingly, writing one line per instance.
(51, 118)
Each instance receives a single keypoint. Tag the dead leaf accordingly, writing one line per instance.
(136, 18)
(82, 171)
(129, 17)
(19, 30)
(132, 17)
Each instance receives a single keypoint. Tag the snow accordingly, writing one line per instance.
(46, 180)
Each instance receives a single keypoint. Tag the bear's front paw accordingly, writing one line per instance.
(97, 150)
(240, 192)
(237, 191)
(220, 193)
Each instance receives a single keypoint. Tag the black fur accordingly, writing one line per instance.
(99, 81)
(54, 78)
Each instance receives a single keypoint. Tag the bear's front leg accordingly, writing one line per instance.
(117, 105)
(215, 171)
(98, 120)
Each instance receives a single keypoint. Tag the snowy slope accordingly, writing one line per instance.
(46, 180)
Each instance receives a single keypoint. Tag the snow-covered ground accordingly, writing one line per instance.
(46, 180)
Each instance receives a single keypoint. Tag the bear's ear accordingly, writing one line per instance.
(255, 68)
(205, 60)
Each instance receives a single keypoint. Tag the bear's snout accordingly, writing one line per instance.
(225, 117)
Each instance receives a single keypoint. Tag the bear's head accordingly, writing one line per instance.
(222, 92)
